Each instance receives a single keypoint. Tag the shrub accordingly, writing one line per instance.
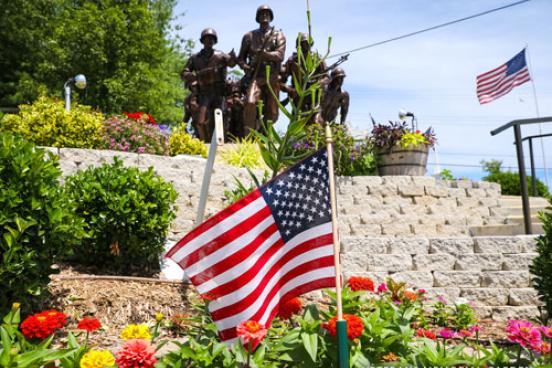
(541, 268)
(182, 143)
(127, 214)
(509, 181)
(37, 223)
(47, 123)
(134, 135)
(351, 158)
(245, 153)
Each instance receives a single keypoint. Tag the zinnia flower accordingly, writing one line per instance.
(97, 359)
(410, 295)
(42, 325)
(355, 326)
(546, 331)
(475, 328)
(382, 288)
(426, 333)
(464, 333)
(391, 357)
(251, 333)
(136, 332)
(136, 353)
(289, 308)
(523, 333)
(447, 333)
(357, 283)
(89, 324)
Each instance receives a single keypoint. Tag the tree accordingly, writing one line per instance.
(124, 49)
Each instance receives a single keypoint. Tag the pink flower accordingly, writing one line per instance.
(541, 347)
(447, 333)
(251, 333)
(546, 331)
(442, 299)
(421, 291)
(141, 149)
(382, 288)
(475, 328)
(136, 353)
(523, 333)
(465, 333)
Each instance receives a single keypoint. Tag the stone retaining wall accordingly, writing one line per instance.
(493, 272)
(373, 205)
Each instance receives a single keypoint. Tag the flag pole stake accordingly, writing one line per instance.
(342, 343)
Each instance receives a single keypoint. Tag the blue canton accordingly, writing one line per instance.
(516, 63)
(299, 198)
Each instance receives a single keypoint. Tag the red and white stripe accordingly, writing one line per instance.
(495, 83)
(238, 259)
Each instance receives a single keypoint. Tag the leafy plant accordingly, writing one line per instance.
(182, 143)
(134, 135)
(541, 268)
(386, 136)
(446, 174)
(243, 153)
(37, 222)
(435, 354)
(47, 123)
(127, 214)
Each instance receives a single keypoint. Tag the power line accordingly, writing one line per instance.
(478, 166)
(430, 28)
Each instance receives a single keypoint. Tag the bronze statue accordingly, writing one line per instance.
(233, 114)
(208, 69)
(334, 99)
(260, 48)
(295, 68)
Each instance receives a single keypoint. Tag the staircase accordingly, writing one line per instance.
(512, 210)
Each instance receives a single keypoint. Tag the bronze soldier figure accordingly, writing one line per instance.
(261, 47)
(208, 68)
(334, 99)
(294, 68)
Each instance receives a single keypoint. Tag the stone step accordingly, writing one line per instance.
(515, 201)
(517, 210)
(518, 219)
(503, 230)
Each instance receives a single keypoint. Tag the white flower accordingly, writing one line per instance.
(460, 301)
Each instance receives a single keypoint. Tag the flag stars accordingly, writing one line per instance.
(278, 192)
(269, 190)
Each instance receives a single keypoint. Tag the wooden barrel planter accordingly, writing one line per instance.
(397, 160)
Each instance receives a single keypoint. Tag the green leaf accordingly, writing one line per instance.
(310, 343)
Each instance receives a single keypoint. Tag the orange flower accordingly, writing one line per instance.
(289, 308)
(426, 333)
(355, 326)
(391, 357)
(410, 295)
(136, 353)
(251, 333)
(357, 283)
(89, 324)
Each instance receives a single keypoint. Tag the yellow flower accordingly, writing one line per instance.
(97, 359)
(136, 332)
(159, 316)
(16, 306)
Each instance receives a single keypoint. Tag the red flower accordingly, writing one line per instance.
(357, 283)
(289, 308)
(426, 333)
(133, 115)
(136, 353)
(252, 333)
(151, 119)
(465, 333)
(89, 324)
(42, 325)
(355, 326)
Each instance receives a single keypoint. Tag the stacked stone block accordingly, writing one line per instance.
(493, 272)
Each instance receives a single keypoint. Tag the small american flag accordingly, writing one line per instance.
(498, 82)
(274, 244)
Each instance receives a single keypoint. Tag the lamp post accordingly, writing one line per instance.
(404, 114)
(80, 83)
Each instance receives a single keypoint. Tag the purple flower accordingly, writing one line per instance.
(442, 299)
(141, 149)
(447, 333)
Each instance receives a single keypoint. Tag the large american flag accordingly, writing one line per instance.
(274, 244)
(499, 81)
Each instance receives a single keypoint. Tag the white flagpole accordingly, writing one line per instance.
(530, 67)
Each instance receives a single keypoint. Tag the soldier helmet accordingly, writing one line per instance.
(303, 37)
(338, 72)
(262, 8)
(208, 32)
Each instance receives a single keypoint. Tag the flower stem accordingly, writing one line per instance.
(250, 345)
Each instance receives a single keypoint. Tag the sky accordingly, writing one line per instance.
(432, 74)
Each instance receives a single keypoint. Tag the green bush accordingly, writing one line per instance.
(37, 222)
(182, 143)
(541, 268)
(47, 123)
(130, 135)
(127, 214)
(509, 183)
(244, 153)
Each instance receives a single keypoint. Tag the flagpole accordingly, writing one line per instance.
(538, 114)
(342, 343)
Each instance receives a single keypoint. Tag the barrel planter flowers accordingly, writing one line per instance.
(400, 150)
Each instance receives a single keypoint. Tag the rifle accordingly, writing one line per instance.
(248, 78)
(340, 61)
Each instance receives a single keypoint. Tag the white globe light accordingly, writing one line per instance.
(80, 81)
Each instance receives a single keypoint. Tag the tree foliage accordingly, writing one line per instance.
(509, 181)
(124, 48)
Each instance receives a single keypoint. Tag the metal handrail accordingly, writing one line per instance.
(521, 163)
